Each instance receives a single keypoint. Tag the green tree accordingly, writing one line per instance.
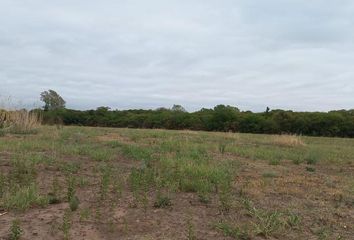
(178, 108)
(52, 100)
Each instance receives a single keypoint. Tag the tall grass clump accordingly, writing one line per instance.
(19, 121)
(287, 140)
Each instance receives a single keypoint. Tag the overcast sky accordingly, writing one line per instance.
(289, 54)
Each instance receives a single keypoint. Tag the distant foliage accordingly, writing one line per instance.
(220, 118)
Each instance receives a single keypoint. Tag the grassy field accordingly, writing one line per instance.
(103, 183)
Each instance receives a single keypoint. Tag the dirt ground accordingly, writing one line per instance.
(325, 207)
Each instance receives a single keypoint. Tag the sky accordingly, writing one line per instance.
(288, 54)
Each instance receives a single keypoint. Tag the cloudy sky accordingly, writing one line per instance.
(289, 54)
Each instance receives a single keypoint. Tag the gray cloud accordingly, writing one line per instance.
(134, 54)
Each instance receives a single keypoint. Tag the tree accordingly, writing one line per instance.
(52, 100)
(178, 108)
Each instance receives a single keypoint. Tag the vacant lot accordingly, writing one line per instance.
(103, 183)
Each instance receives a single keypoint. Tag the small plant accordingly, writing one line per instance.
(225, 197)
(23, 172)
(222, 147)
(74, 203)
(84, 214)
(204, 197)
(310, 169)
(293, 220)
(268, 222)
(287, 140)
(2, 185)
(269, 175)
(24, 198)
(71, 190)
(297, 161)
(274, 161)
(53, 199)
(15, 230)
(66, 224)
(312, 157)
(190, 230)
(53, 196)
(83, 181)
(162, 201)
(105, 181)
(71, 168)
(232, 231)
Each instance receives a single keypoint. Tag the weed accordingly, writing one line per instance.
(225, 197)
(310, 169)
(293, 220)
(101, 154)
(54, 195)
(82, 181)
(23, 172)
(268, 222)
(74, 203)
(232, 231)
(141, 179)
(53, 199)
(222, 147)
(66, 224)
(274, 161)
(71, 187)
(2, 185)
(191, 235)
(105, 180)
(84, 214)
(269, 175)
(71, 167)
(287, 140)
(162, 201)
(24, 198)
(297, 161)
(15, 230)
(21, 121)
(312, 157)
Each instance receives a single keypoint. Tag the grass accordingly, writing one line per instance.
(24, 198)
(19, 121)
(118, 180)
(287, 140)
(232, 231)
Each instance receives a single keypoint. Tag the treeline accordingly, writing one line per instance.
(220, 118)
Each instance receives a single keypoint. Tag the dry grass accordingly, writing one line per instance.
(19, 121)
(287, 140)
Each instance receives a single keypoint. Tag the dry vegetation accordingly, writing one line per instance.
(19, 121)
(287, 140)
(102, 183)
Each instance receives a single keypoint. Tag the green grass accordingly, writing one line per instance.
(24, 198)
